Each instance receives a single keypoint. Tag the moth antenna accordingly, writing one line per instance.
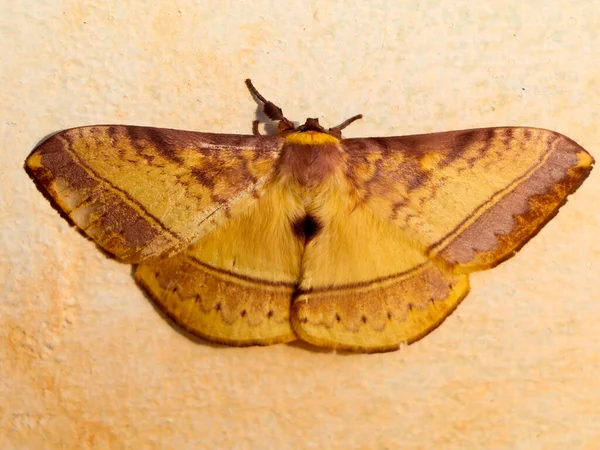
(271, 110)
(254, 92)
(345, 123)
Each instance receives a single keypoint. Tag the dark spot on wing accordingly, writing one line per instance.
(142, 137)
(463, 141)
(306, 227)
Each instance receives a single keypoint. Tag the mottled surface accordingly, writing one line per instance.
(86, 361)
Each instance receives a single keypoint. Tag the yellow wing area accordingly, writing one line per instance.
(366, 285)
(235, 285)
(141, 192)
(470, 198)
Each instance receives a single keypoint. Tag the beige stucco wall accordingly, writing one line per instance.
(87, 362)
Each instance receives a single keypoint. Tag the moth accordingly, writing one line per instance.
(356, 244)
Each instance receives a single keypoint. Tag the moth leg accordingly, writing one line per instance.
(255, 130)
(271, 110)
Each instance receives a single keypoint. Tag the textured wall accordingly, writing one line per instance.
(87, 362)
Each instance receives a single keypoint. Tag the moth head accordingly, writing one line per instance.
(311, 125)
(286, 127)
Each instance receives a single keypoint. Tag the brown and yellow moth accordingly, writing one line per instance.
(358, 244)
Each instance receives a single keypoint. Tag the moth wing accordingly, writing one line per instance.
(392, 257)
(235, 284)
(470, 198)
(142, 192)
(366, 285)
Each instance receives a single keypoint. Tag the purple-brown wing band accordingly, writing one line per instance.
(472, 197)
(141, 192)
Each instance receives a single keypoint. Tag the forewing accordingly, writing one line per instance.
(141, 192)
(469, 198)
